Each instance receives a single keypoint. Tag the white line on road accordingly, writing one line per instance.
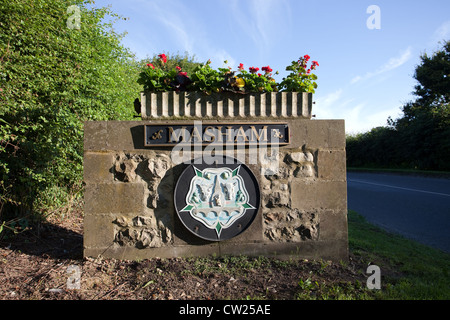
(395, 187)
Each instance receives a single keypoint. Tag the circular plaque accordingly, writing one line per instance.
(219, 201)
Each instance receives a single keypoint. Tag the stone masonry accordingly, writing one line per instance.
(130, 214)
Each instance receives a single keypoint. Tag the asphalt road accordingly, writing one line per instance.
(415, 207)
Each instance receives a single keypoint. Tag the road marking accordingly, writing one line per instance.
(408, 189)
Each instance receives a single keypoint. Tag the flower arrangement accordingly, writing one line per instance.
(208, 80)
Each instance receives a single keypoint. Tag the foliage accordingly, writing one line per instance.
(300, 79)
(166, 72)
(375, 148)
(52, 79)
(159, 76)
(420, 139)
(206, 79)
(253, 81)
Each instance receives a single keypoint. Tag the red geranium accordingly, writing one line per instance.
(150, 65)
(163, 57)
(267, 69)
(178, 68)
(241, 66)
(253, 69)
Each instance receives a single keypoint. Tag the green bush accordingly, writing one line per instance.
(53, 78)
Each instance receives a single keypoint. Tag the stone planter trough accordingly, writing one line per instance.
(225, 105)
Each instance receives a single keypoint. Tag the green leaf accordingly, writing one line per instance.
(187, 208)
(198, 173)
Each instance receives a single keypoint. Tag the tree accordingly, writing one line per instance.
(433, 75)
(52, 79)
(425, 125)
(420, 139)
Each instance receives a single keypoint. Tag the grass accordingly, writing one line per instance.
(409, 270)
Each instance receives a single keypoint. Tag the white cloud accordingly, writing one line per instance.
(353, 119)
(174, 21)
(261, 20)
(392, 64)
(218, 56)
(360, 114)
(325, 106)
(356, 79)
(181, 29)
(396, 62)
(442, 33)
(331, 98)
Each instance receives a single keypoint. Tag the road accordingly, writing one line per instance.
(415, 207)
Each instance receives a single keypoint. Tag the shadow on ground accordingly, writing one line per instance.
(46, 240)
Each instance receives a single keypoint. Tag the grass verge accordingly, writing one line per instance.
(409, 270)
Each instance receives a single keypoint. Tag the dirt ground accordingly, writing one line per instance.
(40, 263)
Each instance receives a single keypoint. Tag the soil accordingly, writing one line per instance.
(35, 264)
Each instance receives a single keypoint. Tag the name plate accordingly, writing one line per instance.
(236, 133)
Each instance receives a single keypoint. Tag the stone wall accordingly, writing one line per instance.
(129, 205)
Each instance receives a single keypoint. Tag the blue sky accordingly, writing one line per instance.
(365, 75)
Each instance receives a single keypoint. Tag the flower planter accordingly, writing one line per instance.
(225, 105)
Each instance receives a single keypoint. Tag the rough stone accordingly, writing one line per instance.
(300, 157)
(142, 221)
(304, 171)
(159, 166)
(291, 225)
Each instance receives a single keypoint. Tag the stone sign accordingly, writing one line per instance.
(285, 197)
